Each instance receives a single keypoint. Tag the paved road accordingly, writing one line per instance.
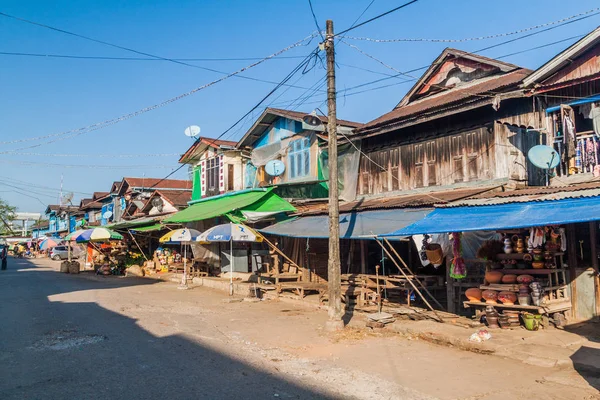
(79, 350)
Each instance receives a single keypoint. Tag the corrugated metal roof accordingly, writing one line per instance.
(447, 98)
(539, 194)
(413, 200)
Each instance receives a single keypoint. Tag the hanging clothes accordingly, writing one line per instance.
(595, 115)
(537, 237)
(590, 155)
(563, 239)
(586, 110)
(569, 136)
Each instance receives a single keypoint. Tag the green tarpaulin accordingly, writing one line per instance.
(232, 205)
(151, 228)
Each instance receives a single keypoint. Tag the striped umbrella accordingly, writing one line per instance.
(95, 235)
(183, 235)
(48, 243)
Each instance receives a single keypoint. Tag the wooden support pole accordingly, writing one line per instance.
(594, 251)
(272, 246)
(572, 259)
(450, 288)
(410, 281)
(363, 256)
(413, 274)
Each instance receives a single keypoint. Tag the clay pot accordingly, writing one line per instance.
(493, 277)
(527, 257)
(507, 246)
(520, 246)
(507, 298)
(524, 300)
(538, 264)
(525, 279)
(490, 296)
(473, 294)
(509, 278)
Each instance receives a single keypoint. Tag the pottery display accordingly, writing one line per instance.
(525, 279)
(520, 246)
(503, 321)
(507, 246)
(524, 300)
(473, 294)
(493, 277)
(490, 296)
(527, 257)
(509, 278)
(508, 298)
(538, 264)
(532, 322)
(491, 317)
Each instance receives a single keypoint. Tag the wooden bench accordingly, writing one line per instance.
(300, 288)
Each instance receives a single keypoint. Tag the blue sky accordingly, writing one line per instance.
(44, 96)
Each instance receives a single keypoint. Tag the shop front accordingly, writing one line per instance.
(543, 261)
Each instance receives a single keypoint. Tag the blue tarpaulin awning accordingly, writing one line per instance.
(504, 216)
(355, 225)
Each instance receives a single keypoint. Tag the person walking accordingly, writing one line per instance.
(4, 256)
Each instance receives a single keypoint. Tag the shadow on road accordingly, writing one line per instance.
(58, 350)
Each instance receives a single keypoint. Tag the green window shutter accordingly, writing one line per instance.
(197, 185)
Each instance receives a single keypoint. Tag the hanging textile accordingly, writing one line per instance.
(595, 116)
(569, 136)
(458, 269)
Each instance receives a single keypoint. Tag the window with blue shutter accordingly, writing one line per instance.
(299, 158)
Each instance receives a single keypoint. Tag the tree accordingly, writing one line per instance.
(7, 214)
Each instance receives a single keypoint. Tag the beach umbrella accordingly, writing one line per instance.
(183, 235)
(47, 243)
(229, 233)
(180, 235)
(94, 235)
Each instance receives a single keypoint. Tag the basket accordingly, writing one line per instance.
(434, 252)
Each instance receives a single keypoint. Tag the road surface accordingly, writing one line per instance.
(91, 337)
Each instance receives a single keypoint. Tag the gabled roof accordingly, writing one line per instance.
(177, 198)
(99, 195)
(563, 59)
(264, 121)
(56, 208)
(153, 183)
(446, 61)
(201, 144)
(472, 95)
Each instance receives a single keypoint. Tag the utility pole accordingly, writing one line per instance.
(334, 321)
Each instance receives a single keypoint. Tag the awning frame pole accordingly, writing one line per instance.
(277, 250)
(410, 281)
(413, 274)
(136, 243)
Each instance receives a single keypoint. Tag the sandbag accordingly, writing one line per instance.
(64, 267)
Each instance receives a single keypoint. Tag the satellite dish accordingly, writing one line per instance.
(67, 198)
(192, 131)
(107, 214)
(275, 168)
(544, 157)
(158, 203)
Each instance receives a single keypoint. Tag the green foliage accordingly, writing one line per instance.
(133, 258)
(7, 214)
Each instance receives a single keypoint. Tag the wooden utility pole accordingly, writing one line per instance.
(334, 321)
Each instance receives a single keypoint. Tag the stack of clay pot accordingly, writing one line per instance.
(523, 296)
(512, 318)
(536, 293)
(491, 317)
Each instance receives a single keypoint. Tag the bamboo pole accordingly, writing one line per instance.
(410, 281)
(277, 250)
(413, 274)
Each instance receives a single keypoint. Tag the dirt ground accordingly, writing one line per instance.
(289, 340)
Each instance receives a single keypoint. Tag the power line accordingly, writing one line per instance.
(95, 155)
(83, 165)
(43, 55)
(100, 125)
(376, 17)
(128, 48)
(312, 11)
(498, 35)
(473, 52)
(362, 13)
(302, 64)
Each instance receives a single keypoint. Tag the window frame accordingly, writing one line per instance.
(299, 158)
